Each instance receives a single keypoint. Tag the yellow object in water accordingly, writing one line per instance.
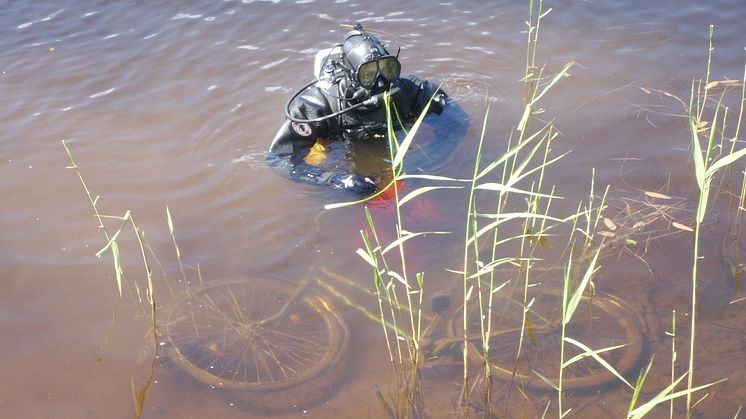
(317, 155)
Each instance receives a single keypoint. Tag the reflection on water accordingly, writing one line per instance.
(175, 104)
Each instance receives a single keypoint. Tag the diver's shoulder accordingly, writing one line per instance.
(413, 79)
(314, 94)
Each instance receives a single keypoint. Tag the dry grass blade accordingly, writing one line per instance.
(681, 226)
(610, 224)
(724, 83)
(657, 195)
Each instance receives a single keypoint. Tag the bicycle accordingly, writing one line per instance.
(270, 335)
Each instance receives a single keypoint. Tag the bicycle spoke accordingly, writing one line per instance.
(223, 338)
(599, 322)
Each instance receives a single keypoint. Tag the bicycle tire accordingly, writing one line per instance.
(219, 334)
(599, 322)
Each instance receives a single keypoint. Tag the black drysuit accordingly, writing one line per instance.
(294, 140)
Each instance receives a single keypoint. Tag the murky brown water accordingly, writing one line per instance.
(174, 106)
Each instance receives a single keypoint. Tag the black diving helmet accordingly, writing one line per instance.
(369, 61)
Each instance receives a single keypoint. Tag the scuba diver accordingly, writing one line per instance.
(346, 103)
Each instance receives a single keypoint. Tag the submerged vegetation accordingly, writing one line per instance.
(520, 312)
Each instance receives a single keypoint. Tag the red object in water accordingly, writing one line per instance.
(420, 208)
(390, 193)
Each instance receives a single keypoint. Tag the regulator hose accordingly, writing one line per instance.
(374, 100)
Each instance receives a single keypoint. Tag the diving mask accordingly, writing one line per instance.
(368, 59)
(387, 67)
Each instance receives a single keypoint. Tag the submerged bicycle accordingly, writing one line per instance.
(265, 335)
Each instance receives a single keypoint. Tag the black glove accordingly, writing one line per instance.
(438, 103)
(359, 184)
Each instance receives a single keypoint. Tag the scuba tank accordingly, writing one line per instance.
(327, 67)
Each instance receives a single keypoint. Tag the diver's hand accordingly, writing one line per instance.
(439, 103)
(359, 184)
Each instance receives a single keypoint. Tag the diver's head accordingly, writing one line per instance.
(372, 68)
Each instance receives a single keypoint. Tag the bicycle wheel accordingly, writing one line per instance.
(253, 335)
(599, 322)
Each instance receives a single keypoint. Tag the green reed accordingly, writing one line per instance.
(112, 243)
(405, 314)
(706, 166)
(514, 171)
(674, 355)
(708, 161)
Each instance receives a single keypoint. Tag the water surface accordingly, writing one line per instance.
(174, 105)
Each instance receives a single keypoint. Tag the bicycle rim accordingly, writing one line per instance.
(217, 335)
(599, 322)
